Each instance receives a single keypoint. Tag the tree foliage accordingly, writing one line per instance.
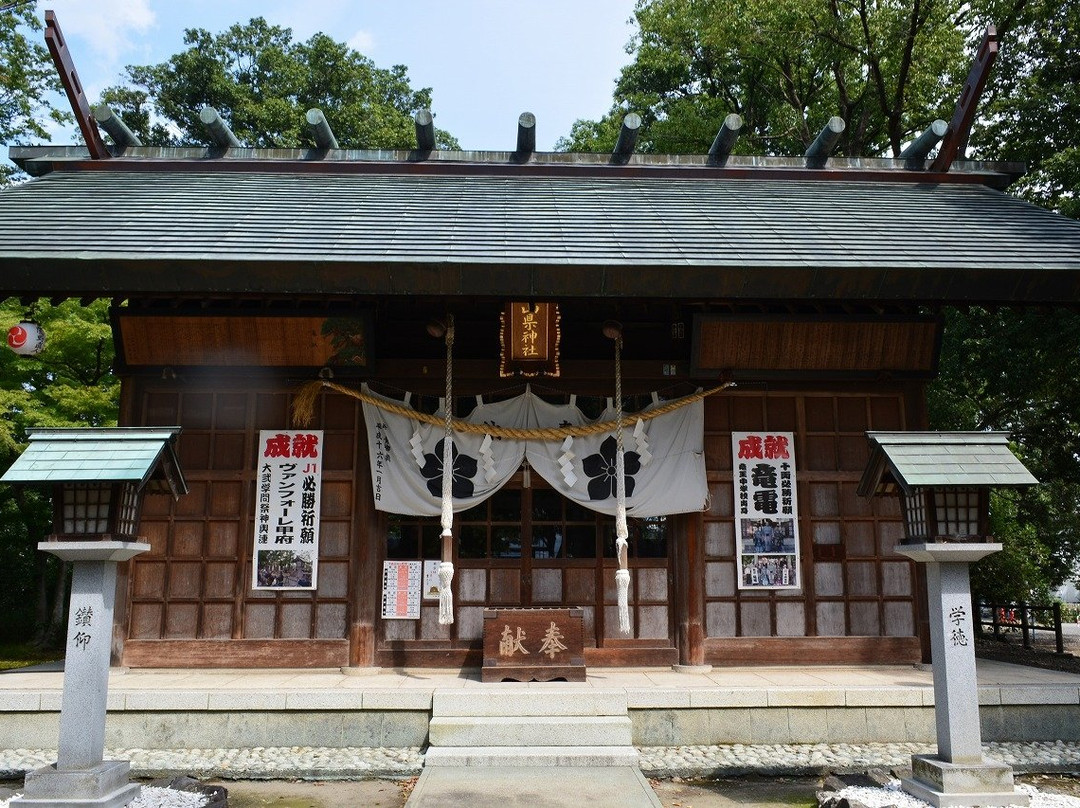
(26, 79)
(262, 82)
(1033, 100)
(1016, 371)
(786, 66)
(70, 383)
(888, 69)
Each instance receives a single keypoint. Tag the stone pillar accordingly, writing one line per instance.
(958, 774)
(81, 777)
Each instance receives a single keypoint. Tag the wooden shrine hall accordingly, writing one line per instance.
(241, 276)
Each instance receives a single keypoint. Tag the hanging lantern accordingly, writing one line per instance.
(26, 339)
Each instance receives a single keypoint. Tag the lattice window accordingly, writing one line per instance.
(86, 508)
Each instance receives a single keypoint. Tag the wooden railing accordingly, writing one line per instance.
(1025, 618)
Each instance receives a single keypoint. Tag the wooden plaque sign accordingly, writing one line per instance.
(530, 336)
(533, 644)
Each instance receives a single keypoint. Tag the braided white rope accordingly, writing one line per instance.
(622, 533)
(446, 567)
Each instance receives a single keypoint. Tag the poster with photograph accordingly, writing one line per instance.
(431, 579)
(287, 507)
(401, 590)
(766, 510)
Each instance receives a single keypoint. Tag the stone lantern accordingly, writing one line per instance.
(944, 481)
(98, 479)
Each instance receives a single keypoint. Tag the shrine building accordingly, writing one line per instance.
(782, 307)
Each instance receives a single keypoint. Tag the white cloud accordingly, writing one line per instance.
(106, 26)
(362, 41)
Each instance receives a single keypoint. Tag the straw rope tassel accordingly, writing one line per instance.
(446, 568)
(622, 575)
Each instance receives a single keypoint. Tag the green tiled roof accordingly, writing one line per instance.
(221, 231)
(917, 459)
(122, 454)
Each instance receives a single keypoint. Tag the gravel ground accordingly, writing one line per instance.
(794, 760)
(753, 792)
(314, 763)
(892, 795)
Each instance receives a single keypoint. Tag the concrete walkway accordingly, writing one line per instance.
(329, 723)
(533, 787)
(273, 688)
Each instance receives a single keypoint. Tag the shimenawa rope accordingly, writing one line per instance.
(304, 412)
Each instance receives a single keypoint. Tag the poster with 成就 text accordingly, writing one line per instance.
(288, 499)
(766, 510)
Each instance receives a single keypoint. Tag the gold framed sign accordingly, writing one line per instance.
(529, 337)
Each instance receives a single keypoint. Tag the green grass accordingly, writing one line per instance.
(20, 655)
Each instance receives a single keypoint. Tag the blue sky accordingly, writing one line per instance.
(486, 61)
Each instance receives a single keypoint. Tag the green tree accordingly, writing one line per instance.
(262, 82)
(786, 66)
(889, 68)
(1033, 100)
(1016, 371)
(70, 383)
(27, 78)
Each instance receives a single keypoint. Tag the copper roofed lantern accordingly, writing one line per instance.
(943, 479)
(99, 475)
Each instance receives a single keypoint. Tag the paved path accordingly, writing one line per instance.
(210, 690)
(528, 787)
(275, 688)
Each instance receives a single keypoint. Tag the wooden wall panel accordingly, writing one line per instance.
(854, 585)
(760, 345)
(243, 340)
(652, 585)
(187, 539)
(790, 618)
(148, 580)
(504, 587)
(216, 621)
(195, 585)
(182, 620)
(237, 654)
(145, 621)
(223, 539)
(581, 586)
(332, 621)
(653, 622)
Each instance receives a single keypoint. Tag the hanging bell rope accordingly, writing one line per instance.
(446, 568)
(622, 533)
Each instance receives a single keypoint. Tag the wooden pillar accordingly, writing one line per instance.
(365, 556)
(130, 415)
(689, 560)
(917, 416)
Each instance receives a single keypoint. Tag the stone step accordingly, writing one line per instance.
(504, 786)
(522, 700)
(548, 756)
(603, 730)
